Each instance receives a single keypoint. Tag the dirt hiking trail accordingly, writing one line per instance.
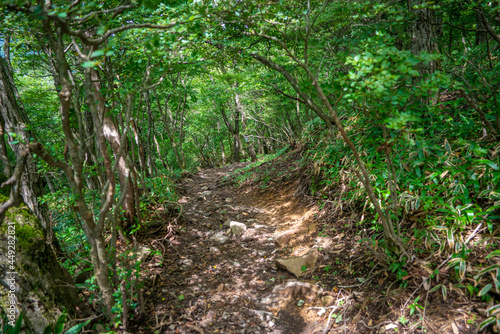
(255, 259)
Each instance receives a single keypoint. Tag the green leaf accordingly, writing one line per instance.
(447, 146)
(485, 290)
(418, 172)
(19, 323)
(181, 297)
(89, 64)
(444, 291)
(496, 281)
(488, 163)
(97, 53)
(338, 319)
(455, 262)
(493, 254)
(303, 268)
(60, 324)
(487, 322)
(493, 309)
(435, 288)
(48, 330)
(300, 302)
(75, 329)
(486, 270)
(101, 30)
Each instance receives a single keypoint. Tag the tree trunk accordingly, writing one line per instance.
(423, 33)
(112, 136)
(15, 121)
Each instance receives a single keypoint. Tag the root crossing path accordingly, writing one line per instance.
(219, 274)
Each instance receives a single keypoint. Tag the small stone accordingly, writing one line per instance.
(294, 265)
(229, 200)
(171, 327)
(327, 300)
(141, 253)
(214, 250)
(220, 237)
(284, 237)
(267, 300)
(100, 328)
(297, 289)
(237, 228)
(206, 193)
(183, 200)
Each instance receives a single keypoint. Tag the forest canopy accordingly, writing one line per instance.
(106, 106)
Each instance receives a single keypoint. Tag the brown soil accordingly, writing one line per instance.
(201, 286)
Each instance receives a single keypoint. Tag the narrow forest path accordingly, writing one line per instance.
(264, 258)
(213, 281)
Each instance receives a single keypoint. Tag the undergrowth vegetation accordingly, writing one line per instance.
(391, 110)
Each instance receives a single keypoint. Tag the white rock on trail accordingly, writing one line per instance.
(237, 228)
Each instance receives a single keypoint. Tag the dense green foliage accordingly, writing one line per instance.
(394, 103)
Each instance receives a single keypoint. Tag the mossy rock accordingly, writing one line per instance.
(43, 286)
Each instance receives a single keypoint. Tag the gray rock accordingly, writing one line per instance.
(237, 228)
(294, 265)
(220, 237)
